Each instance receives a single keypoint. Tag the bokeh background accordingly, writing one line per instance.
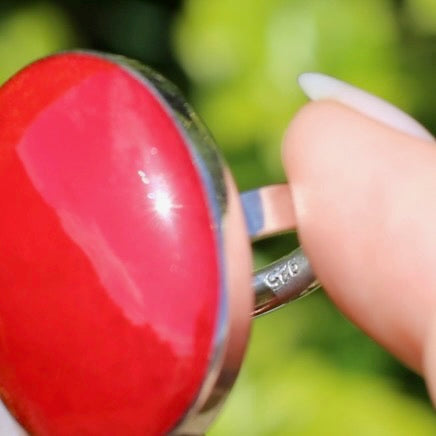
(308, 370)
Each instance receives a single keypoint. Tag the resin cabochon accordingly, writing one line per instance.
(109, 262)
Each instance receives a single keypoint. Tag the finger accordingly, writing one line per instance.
(364, 201)
(318, 86)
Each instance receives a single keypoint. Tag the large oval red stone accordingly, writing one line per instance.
(108, 268)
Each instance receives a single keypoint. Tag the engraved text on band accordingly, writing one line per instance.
(281, 275)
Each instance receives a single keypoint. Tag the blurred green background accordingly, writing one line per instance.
(308, 370)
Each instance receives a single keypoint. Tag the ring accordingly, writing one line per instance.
(269, 211)
(125, 261)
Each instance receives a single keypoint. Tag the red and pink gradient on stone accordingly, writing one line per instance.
(108, 258)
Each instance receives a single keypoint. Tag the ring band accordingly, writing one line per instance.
(269, 211)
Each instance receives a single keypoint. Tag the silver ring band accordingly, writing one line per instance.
(269, 211)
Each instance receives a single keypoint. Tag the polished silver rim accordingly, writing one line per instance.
(220, 376)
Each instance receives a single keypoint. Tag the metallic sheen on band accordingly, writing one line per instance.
(284, 280)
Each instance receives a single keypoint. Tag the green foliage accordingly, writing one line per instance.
(423, 15)
(308, 370)
(304, 395)
(290, 387)
(30, 32)
(244, 57)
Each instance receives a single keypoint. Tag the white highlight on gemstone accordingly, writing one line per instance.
(160, 195)
(143, 177)
(164, 204)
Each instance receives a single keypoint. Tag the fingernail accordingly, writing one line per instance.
(319, 86)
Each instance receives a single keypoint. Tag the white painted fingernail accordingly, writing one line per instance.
(319, 86)
(8, 425)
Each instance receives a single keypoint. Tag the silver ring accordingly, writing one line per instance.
(232, 221)
(268, 211)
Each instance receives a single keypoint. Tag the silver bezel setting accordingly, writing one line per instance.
(222, 371)
(286, 279)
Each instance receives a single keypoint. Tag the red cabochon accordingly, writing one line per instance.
(108, 264)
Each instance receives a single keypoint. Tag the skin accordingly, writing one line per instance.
(363, 195)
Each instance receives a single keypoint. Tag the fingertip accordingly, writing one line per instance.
(312, 118)
(358, 187)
